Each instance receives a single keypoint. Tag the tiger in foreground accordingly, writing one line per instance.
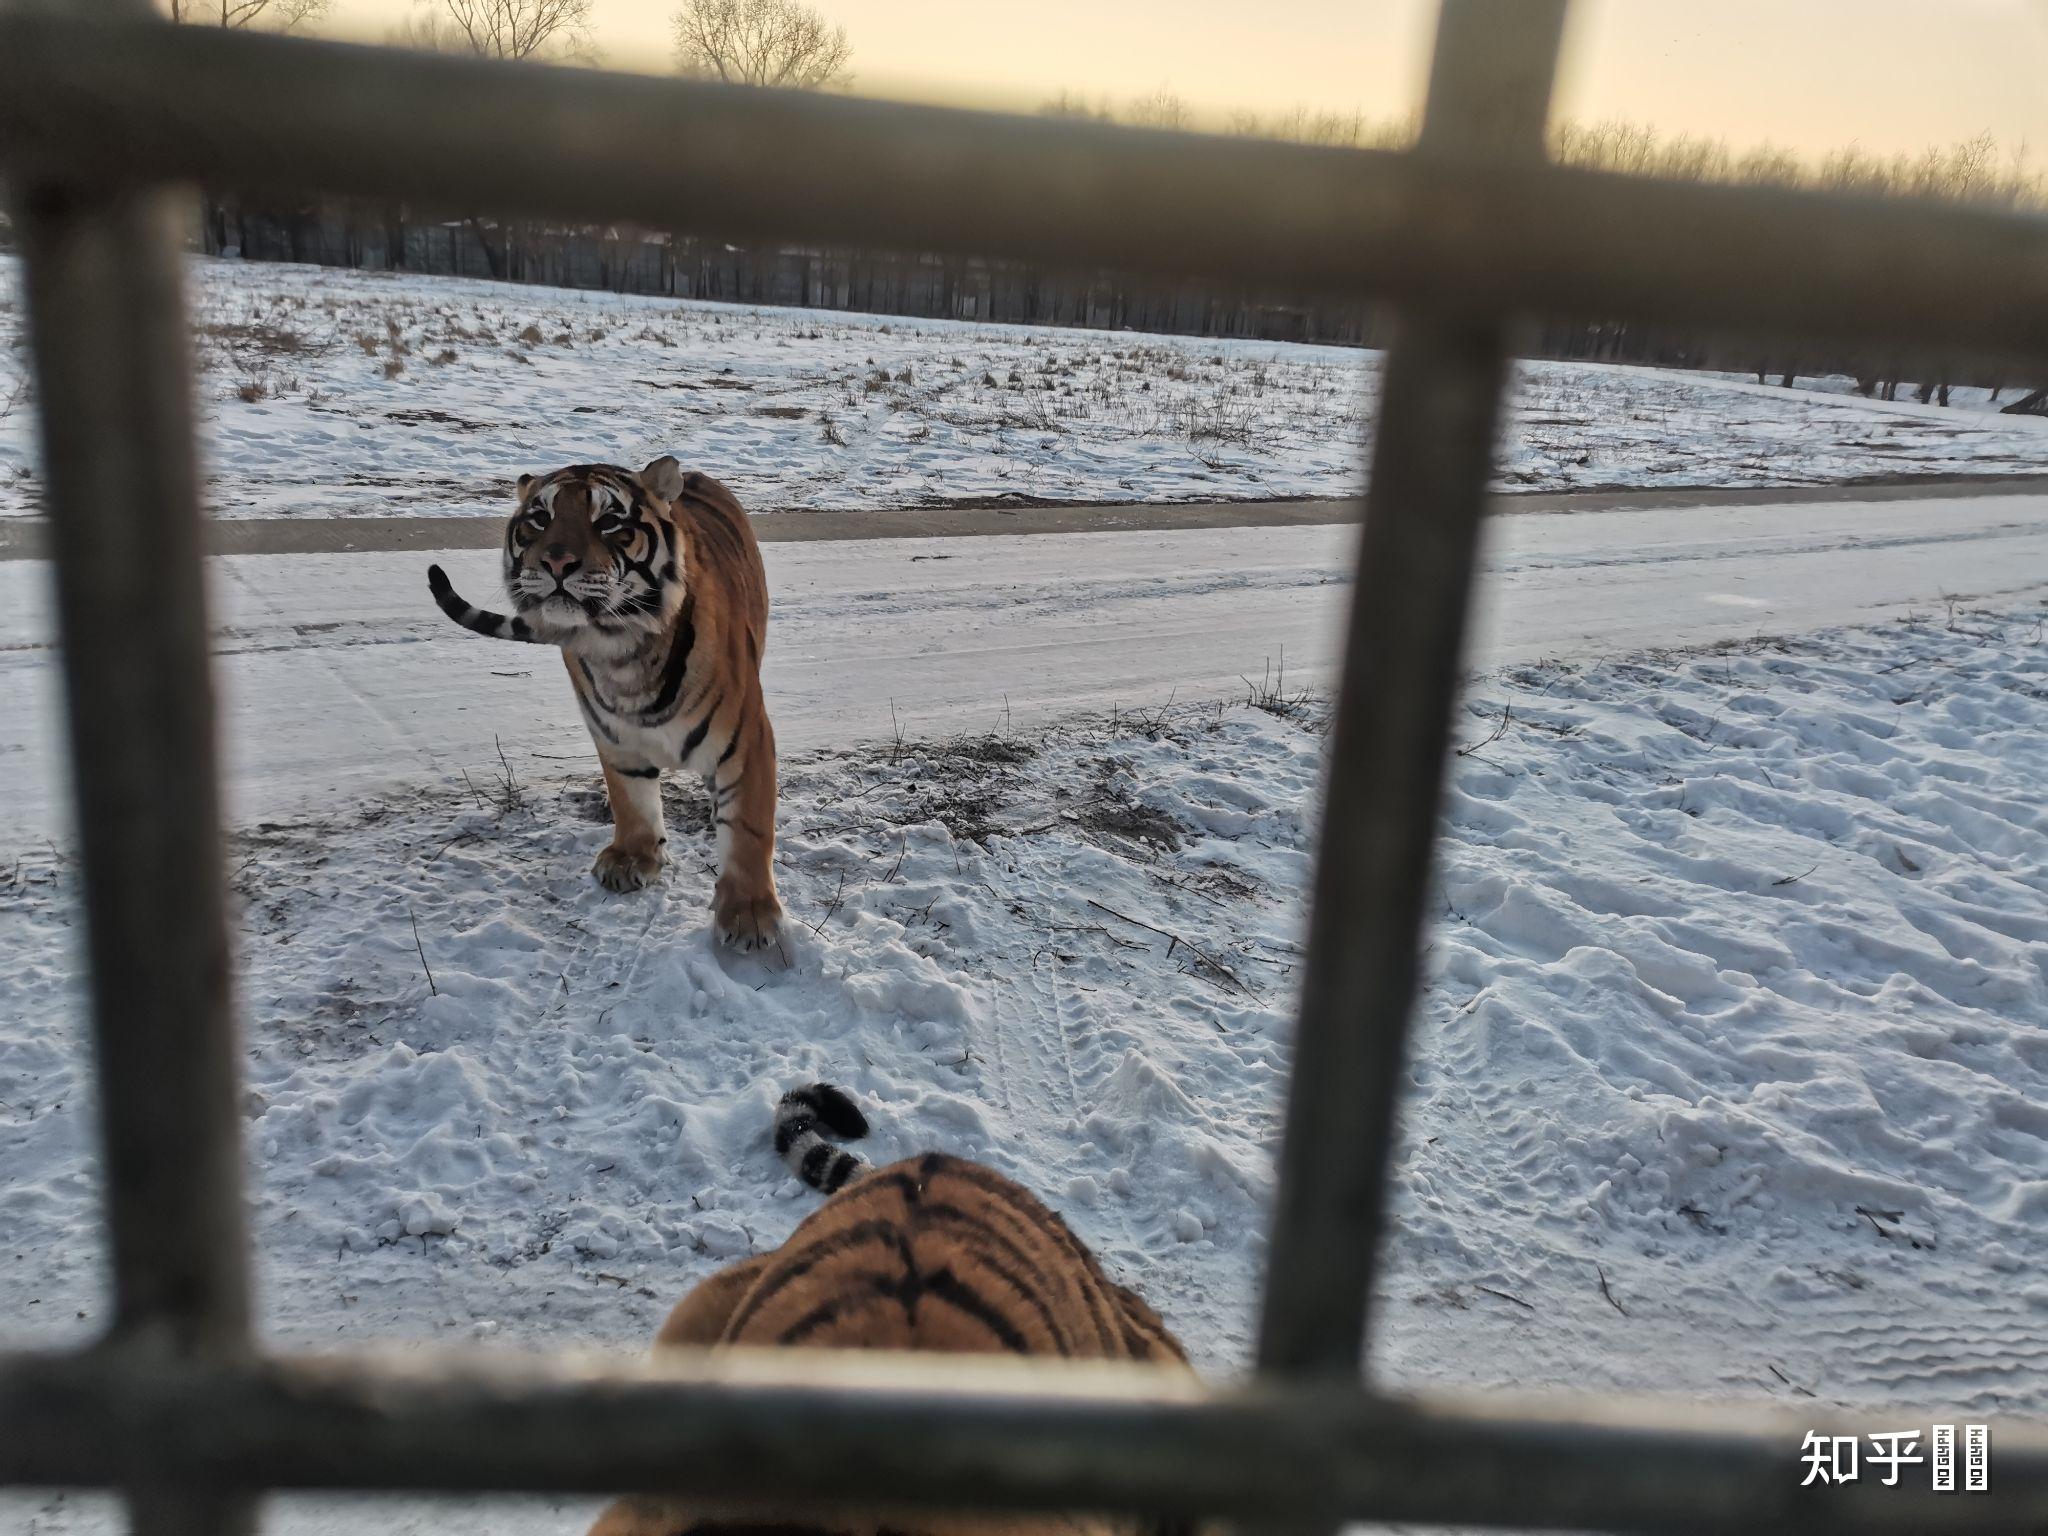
(651, 584)
(932, 1253)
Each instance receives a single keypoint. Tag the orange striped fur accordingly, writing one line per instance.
(933, 1253)
(652, 586)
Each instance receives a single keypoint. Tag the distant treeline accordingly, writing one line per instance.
(1973, 170)
(695, 267)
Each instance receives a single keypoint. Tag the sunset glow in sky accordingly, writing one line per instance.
(1889, 75)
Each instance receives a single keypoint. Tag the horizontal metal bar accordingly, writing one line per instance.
(270, 113)
(806, 1428)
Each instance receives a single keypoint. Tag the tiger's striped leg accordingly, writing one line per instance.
(636, 853)
(744, 906)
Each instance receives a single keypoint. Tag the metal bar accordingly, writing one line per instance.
(267, 113)
(1432, 453)
(103, 283)
(812, 1428)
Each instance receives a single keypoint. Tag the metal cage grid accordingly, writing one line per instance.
(104, 110)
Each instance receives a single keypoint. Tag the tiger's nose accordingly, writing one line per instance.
(559, 561)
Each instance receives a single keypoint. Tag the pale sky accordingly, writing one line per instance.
(1890, 75)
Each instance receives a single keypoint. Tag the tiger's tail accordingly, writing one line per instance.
(496, 626)
(803, 1146)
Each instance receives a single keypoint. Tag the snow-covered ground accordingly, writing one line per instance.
(1730, 1079)
(330, 393)
(1732, 1073)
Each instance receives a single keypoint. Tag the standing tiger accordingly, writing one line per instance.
(932, 1253)
(652, 586)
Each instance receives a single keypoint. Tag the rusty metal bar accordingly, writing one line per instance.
(267, 113)
(1489, 93)
(102, 273)
(875, 1430)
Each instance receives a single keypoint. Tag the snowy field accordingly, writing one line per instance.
(329, 393)
(1731, 1078)
(1735, 1005)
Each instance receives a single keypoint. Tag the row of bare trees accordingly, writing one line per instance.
(1973, 170)
(285, 15)
(741, 42)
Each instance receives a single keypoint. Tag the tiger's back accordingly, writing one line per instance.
(938, 1253)
(720, 538)
(934, 1253)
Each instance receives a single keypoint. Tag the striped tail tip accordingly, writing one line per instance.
(448, 600)
(802, 1144)
(495, 626)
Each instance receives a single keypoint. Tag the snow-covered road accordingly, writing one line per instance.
(341, 678)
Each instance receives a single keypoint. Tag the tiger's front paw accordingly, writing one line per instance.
(627, 869)
(747, 921)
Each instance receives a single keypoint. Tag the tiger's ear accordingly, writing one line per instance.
(525, 485)
(663, 478)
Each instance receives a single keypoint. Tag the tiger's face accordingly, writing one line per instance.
(592, 552)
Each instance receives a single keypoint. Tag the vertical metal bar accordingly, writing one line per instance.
(1489, 93)
(113, 381)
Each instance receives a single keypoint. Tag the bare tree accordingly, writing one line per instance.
(1161, 109)
(760, 42)
(1615, 144)
(507, 29)
(426, 32)
(1343, 130)
(284, 15)
(1768, 164)
(1072, 104)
